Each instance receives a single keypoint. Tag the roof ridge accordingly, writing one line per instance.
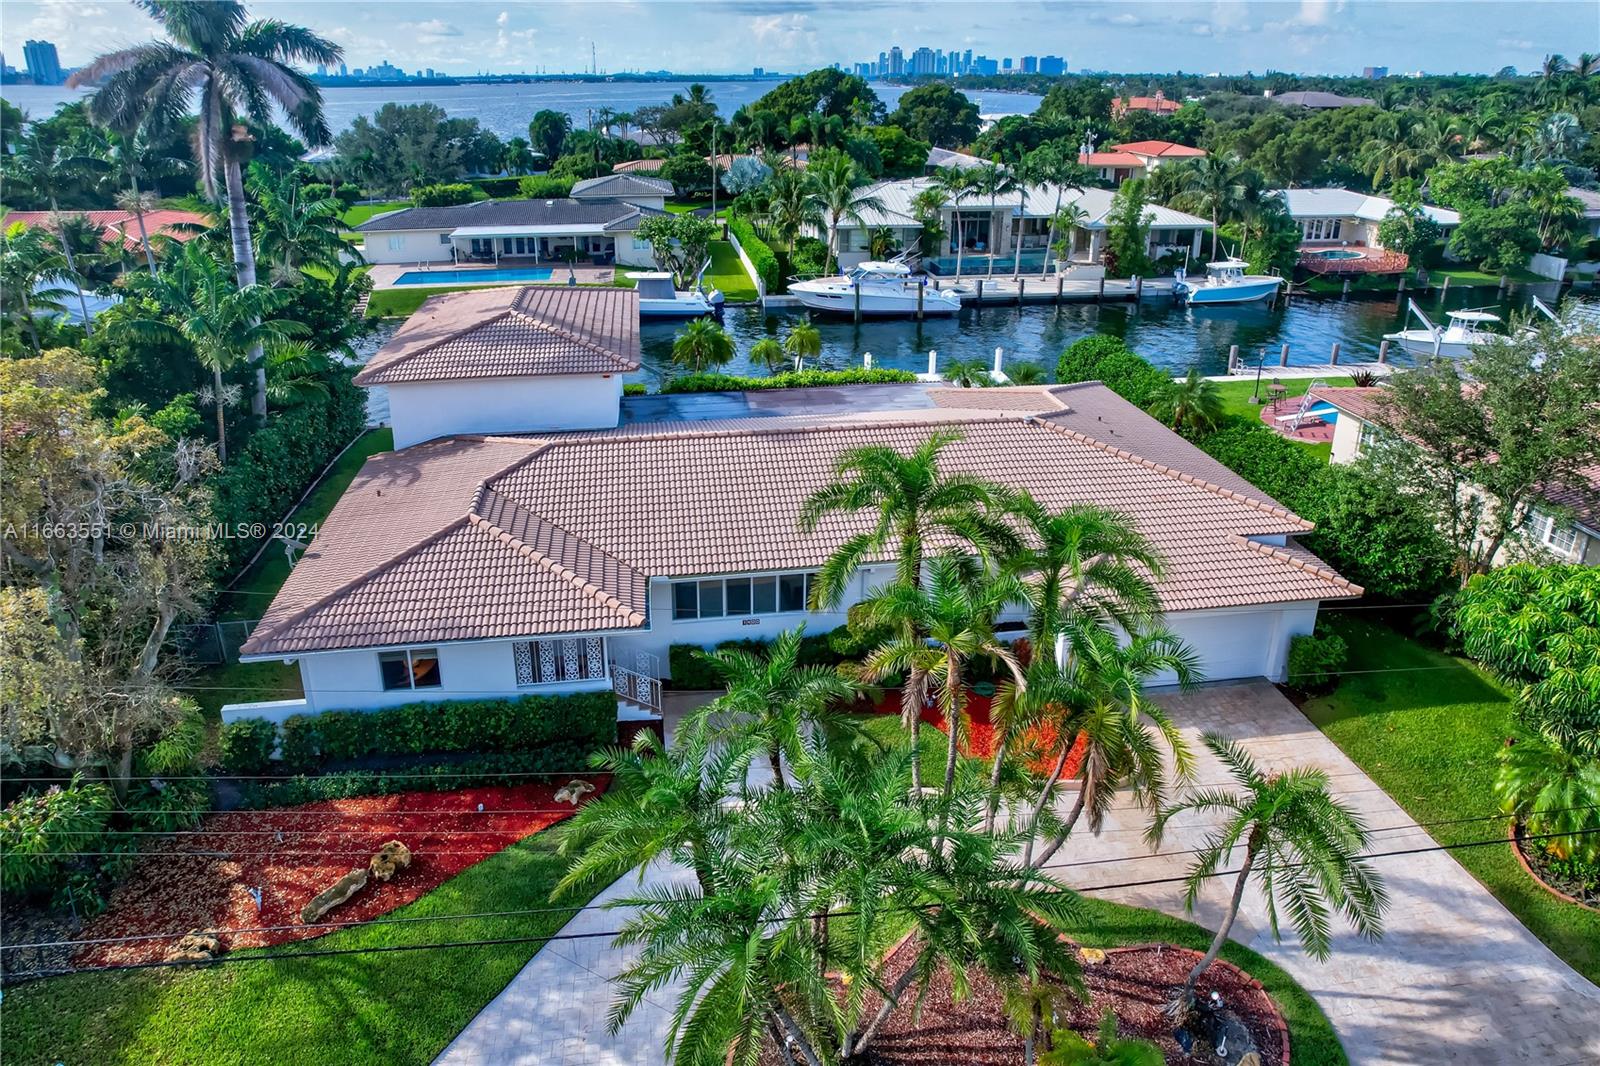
(973, 416)
(1173, 472)
(565, 573)
(1272, 551)
(512, 501)
(406, 357)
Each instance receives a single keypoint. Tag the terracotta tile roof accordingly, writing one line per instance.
(1362, 403)
(504, 537)
(1160, 148)
(633, 166)
(1018, 399)
(1109, 159)
(1157, 103)
(122, 227)
(512, 332)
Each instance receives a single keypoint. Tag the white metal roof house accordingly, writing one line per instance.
(597, 221)
(503, 557)
(1018, 222)
(1342, 216)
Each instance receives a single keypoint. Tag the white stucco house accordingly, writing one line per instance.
(1331, 217)
(597, 222)
(1565, 526)
(525, 537)
(1016, 223)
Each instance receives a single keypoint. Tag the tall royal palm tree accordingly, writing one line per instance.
(221, 321)
(240, 70)
(1056, 166)
(1212, 184)
(31, 270)
(955, 183)
(837, 193)
(992, 180)
(1302, 847)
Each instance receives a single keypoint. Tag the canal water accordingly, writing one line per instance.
(1171, 336)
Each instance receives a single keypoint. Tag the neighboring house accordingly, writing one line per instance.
(949, 157)
(545, 559)
(122, 227)
(1568, 528)
(1316, 101)
(1018, 222)
(638, 166)
(1155, 105)
(1590, 199)
(1136, 159)
(597, 227)
(1341, 216)
(640, 190)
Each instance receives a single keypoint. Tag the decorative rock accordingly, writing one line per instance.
(337, 893)
(1092, 956)
(391, 857)
(198, 945)
(573, 792)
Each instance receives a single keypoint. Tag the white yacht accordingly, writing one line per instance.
(1467, 330)
(658, 298)
(878, 289)
(1225, 283)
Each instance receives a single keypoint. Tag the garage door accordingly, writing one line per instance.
(1229, 645)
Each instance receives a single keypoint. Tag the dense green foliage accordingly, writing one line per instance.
(938, 115)
(403, 145)
(1316, 659)
(1108, 360)
(804, 379)
(245, 746)
(444, 194)
(544, 187)
(692, 671)
(759, 252)
(39, 832)
(557, 760)
(440, 726)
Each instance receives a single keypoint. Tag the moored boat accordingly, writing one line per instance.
(1226, 283)
(1466, 330)
(878, 289)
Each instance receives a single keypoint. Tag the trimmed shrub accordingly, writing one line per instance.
(41, 831)
(1135, 380)
(544, 187)
(246, 746)
(1315, 661)
(1283, 469)
(1081, 361)
(805, 379)
(635, 388)
(442, 195)
(761, 255)
(843, 644)
(557, 761)
(585, 720)
(810, 256)
(499, 187)
(1384, 541)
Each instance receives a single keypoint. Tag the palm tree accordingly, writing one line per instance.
(790, 206)
(220, 321)
(1026, 374)
(43, 165)
(1193, 405)
(1302, 846)
(837, 195)
(548, 131)
(967, 373)
(293, 232)
(700, 344)
(1552, 788)
(803, 342)
(296, 372)
(769, 354)
(1211, 184)
(882, 243)
(774, 699)
(991, 180)
(956, 185)
(1054, 165)
(30, 268)
(1588, 65)
(927, 207)
(240, 70)
(1062, 225)
(133, 155)
(517, 156)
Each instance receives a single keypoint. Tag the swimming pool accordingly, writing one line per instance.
(457, 277)
(1334, 253)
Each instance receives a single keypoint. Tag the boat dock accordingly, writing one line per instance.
(1313, 370)
(1003, 290)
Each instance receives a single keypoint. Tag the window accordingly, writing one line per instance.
(396, 243)
(1543, 530)
(412, 668)
(740, 597)
(444, 238)
(505, 245)
(1320, 229)
(548, 662)
(640, 246)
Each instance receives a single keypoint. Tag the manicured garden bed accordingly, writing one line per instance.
(1427, 727)
(205, 880)
(1038, 747)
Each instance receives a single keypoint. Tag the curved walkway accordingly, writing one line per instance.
(1456, 979)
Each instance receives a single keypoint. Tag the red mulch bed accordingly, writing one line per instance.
(293, 853)
(1038, 747)
(1134, 983)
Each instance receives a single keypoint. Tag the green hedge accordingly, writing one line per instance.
(1108, 360)
(1316, 659)
(1081, 361)
(443, 195)
(843, 644)
(499, 187)
(805, 379)
(554, 763)
(544, 187)
(761, 255)
(246, 746)
(278, 461)
(585, 719)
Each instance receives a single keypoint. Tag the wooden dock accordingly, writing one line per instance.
(1003, 290)
(1311, 370)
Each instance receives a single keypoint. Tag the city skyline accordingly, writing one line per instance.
(732, 37)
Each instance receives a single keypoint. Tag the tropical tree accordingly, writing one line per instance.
(836, 193)
(991, 180)
(296, 372)
(548, 131)
(882, 243)
(293, 232)
(1191, 406)
(1213, 184)
(955, 183)
(700, 344)
(967, 373)
(927, 207)
(1062, 224)
(768, 353)
(772, 700)
(241, 71)
(31, 267)
(790, 205)
(134, 155)
(1054, 165)
(1301, 845)
(45, 166)
(222, 322)
(1551, 787)
(803, 342)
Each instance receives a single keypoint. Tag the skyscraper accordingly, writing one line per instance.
(1030, 64)
(1053, 66)
(897, 61)
(922, 61)
(43, 65)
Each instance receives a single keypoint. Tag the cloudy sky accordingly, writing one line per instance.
(715, 36)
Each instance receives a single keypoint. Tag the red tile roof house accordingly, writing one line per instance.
(1568, 530)
(1136, 159)
(122, 227)
(525, 537)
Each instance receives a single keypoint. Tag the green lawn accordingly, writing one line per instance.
(1459, 276)
(1429, 737)
(390, 1007)
(728, 274)
(361, 212)
(1236, 401)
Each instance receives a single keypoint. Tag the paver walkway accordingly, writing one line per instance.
(1456, 979)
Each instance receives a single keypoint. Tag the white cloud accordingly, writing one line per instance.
(502, 19)
(789, 34)
(1316, 12)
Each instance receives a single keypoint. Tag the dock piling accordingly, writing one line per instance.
(1058, 288)
(1100, 294)
(998, 373)
(1444, 290)
(1233, 358)
(1333, 359)
(858, 302)
(1138, 288)
(920, 289)
(1022, 287)
(980, 292)
(1346, 290)
(1383, 346)
(1283, 356)
(933, 362)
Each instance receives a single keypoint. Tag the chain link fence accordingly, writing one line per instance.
(213, 643)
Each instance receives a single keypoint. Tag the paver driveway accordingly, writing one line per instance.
(1456, 979)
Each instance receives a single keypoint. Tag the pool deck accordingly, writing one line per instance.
(384, 275)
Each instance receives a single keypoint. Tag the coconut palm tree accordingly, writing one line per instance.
(992, 180)
(790, 206)
(1302, 847)
(927, 207)
(1026, 374)
(219, 320)
(772, 699)
(1212, 184)
(882, 243)
(239, 70)
(700, 344)
(803, 342)
(769, 354)
(293, 232)
(517, 156)
(132, 156)
(837, 194)
(31, 269)
(45, 166)
(1552, 788)
(1191, 406)
(955, 184)
(1054, 165)
(1587, 65)
(296, 372)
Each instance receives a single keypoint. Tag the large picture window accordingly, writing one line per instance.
(411, 668)
(740, 597)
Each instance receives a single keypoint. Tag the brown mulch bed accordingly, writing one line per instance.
(1134, 983)
(1538, 865)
